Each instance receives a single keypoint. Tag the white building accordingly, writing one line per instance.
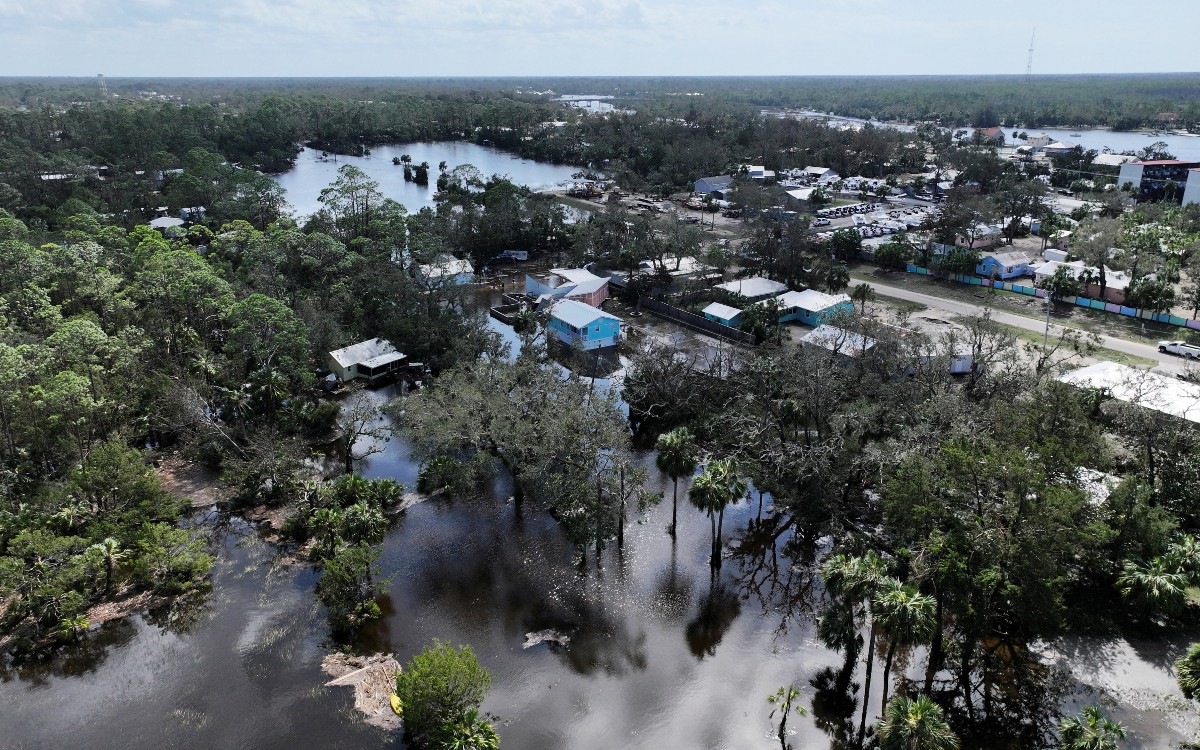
(1143, 388)
(370, 359)
(446, 272)
(754, 288)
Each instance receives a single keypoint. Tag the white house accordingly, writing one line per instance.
(447, 272)
(839, 341)
(758, 172)
(754, 288)
(1143, 388)
(370, 359)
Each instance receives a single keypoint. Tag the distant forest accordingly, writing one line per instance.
(1115, 101)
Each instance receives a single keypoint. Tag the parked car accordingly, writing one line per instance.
(1182, 348)
(821, 223)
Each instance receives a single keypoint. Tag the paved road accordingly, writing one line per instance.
(1167, 363)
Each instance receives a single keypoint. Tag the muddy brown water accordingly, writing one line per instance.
(662, 655)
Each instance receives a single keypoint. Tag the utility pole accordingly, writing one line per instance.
(1029, 62)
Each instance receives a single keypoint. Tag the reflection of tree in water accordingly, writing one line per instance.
(1014, 699)
(776, 565)
(833, 706)
(718, 609)
(673, 592)
(74, 659)
(514, 567)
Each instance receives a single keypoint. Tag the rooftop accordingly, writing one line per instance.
(364, 352)
(811, 299)
(754, 287)
(839, 340)
(724, 312)
(578, 315)
(1140, 387)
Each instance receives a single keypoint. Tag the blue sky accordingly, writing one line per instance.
(589, 37)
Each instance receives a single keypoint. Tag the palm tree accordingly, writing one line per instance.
(1184, 556)
(1090, 730)
(1156, 585)
(676, 458)
(785, 701)
(1187, 671)
(72, 515)
(915, 725)
(71, 627)
(272, 386)
(472, 732)
(112, 556)
(906, 618)
(442, 167)
(716, 487)
(863, 293)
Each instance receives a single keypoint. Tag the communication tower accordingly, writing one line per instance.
(103, 85)
(1029, 62)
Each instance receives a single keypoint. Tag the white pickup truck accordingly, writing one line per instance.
(1182, 348)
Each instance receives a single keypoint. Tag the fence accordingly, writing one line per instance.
(1093, 304)
(695, 322)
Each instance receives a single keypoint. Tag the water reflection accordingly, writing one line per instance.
(716, 613)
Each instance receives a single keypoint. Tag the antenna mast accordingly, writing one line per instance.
(103, 85)
(1029, 62)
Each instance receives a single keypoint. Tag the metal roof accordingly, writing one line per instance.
(362, 352)
(1141, 388)
(811, 299)
(724, 312)
(754, 287)
(577, 314)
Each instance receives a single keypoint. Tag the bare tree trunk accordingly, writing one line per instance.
(887, 674)
(935, 648)
(674, 507)
(862, 723)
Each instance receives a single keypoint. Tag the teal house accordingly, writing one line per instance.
(724, 314)
(577, 324)
(812, 308)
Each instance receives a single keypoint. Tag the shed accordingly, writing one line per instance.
(575, 323)
(370, 359)
(723, 314)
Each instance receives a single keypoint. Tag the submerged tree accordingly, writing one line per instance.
(440, 690)
(1091, 730)
(1187, 671)
(716, 487)
(916, 724)
(676, 458)
(785, 702)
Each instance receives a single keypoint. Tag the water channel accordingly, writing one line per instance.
(661, 655)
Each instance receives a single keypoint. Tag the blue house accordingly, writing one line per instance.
(724, 314)
(1004, 265)
(575, 323)
(812, 308)
(706, 185)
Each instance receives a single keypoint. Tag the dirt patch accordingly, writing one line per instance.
(190, 481)
(373, 679)
(124, 604)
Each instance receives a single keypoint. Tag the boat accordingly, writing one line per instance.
(1076, 135)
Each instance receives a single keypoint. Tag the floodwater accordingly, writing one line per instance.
(662, 654)
(314, 172)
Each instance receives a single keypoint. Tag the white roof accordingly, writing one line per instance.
(838, 340)
(575, 275)
(1063, 145)
(1140, 387)
(363, 352)
(724, 312)
(1113, 160)
(446, 268)
(1009, 258)
(802, 194)
(578, 315)
(383, 359)
(166, 222)
(811, 299)
(754, 287)
(818, 171)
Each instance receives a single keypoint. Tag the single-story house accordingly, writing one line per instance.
(165, 223)
(569, 283)
(1115, 282)
(687, 267)
(755, 288)
(811, 307)
(990, 135)
(1060, 148)
(447, 272)
(838, 341)
(577, 324)
(706, 185)
(1143, 388)
(370, 359)
(724, 314)
(1004, 265)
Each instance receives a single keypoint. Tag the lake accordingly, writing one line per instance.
(314, 172)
